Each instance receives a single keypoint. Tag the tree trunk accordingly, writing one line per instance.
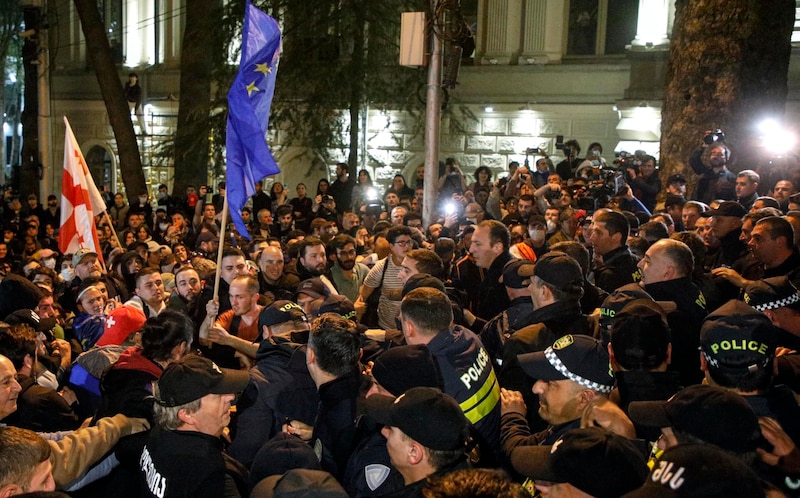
(28, 173)
(728, 69)
(191, 139)
(99, 51)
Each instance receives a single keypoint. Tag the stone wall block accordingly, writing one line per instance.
(481, 144)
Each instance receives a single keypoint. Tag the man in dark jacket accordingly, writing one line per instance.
(280, 385)
(609, 239)
(667, 276)
(332, 357)
(489, 247)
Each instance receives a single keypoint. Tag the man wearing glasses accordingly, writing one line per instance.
(384, 275)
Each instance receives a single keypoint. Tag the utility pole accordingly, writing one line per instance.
(45, 136)
(432, 122)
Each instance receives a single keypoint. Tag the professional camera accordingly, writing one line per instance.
(715, 136)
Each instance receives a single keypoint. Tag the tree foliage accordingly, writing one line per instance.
(339, 56)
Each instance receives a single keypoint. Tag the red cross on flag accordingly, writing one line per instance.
(80, 201)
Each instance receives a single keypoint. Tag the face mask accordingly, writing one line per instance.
(142, 200)
(67, 274)
(49, 263)
(161, 195)
(474, 221)
(163, 226)
(48, 379)
(537, 236)
(551, 226)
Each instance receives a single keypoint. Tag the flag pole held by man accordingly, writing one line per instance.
(248, 155)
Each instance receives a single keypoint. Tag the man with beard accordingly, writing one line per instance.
(273, 280)
(312, 261)
(346, 273)
(188, 286)
(716, 181)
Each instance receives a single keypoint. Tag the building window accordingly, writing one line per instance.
(600, 27)
(796, 30)
(111, 11)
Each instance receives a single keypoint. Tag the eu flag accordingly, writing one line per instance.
(248, 156)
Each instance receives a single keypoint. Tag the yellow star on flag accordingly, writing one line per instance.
(263, 68)
(251, 88)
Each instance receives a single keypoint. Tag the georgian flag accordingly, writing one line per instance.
(80, 201)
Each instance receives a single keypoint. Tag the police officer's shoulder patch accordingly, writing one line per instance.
(375, 475)
(563, 342)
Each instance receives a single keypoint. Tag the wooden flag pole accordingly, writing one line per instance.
(221, 244)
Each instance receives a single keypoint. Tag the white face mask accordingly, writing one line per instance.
(551, 226)
(49, 263)
(67, 274)
(537, 236)
(48, 379)
(163, 226)
(161, 195)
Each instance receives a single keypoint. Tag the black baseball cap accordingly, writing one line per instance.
(709, 413)
(339, 305)
(422, 280)
(727, 208)
(404, 367)
(558, 270)
(425, 414)
(696, 469)
(193, 377)
(579, 358)
(771, 294)
(515, 275)
(676, 178)
(281, 312)
(592, 459)
(30, 317)
(640, 335)
(313, 287)
(737, 338)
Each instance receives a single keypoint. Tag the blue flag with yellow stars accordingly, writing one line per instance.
(248, 156)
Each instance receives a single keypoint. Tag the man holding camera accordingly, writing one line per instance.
(710, 161)
(566, 168)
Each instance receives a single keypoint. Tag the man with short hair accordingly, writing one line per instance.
(426, 435)
(691, 212)
(489, 247)
(347, 274)
(782, 191)
(332, 358)
(398, 214)
(570, 375)
(726, 226)
(273, 279)
(747, 188)
(609, 240)
(182, 456)
(426, 316)
(237, 328)
(420, 261)
(666, 270)
(772, 244)
(188, 286)
(313, 262)
(150, 295)
(25, 462)
(278, 389)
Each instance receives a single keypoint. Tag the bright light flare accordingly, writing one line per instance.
(775, 137)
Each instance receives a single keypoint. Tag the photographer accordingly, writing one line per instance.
(566, 168)
(544, 167)
(646, 184)
(453, 181)
(710, 161)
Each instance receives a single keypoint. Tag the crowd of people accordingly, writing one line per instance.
(545, 335)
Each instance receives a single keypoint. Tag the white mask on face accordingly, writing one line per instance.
(48, 379)
(551, 226)
(163, 226)
(49, 263)
(67, 274)
(537, 236)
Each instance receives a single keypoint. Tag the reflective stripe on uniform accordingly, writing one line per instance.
(483, 401)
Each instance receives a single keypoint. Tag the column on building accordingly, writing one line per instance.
(543, 32)
(499, 34)
(653, 24)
